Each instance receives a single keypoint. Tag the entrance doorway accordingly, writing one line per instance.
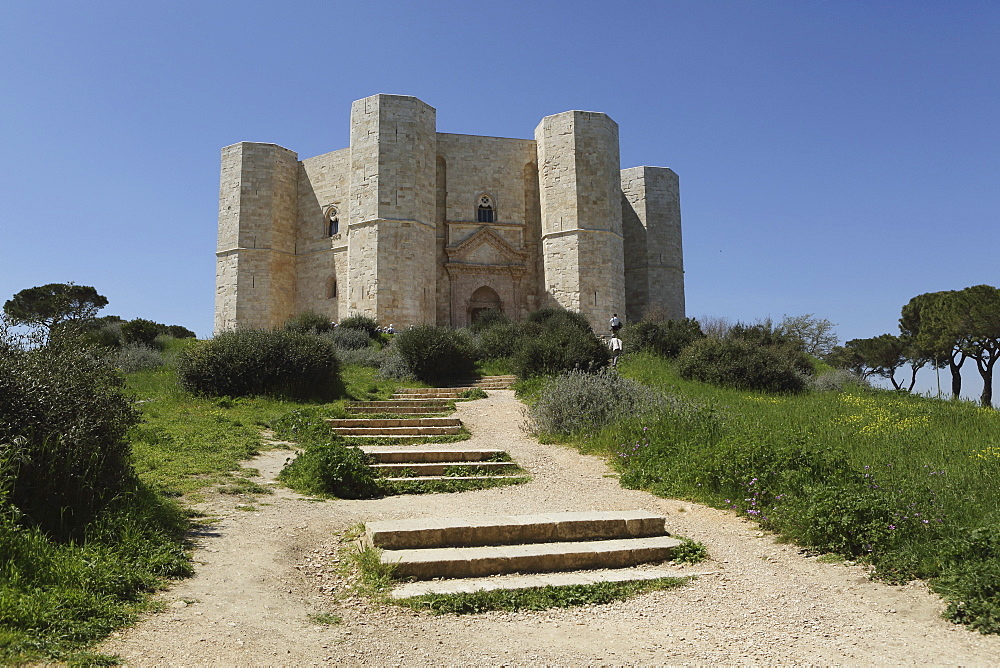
(482, 300)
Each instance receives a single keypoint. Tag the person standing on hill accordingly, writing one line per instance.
(616, 324)
(616, 348)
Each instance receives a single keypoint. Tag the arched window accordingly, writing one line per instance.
(332, 221)
(486, 210)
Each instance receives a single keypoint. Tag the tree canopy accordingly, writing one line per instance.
(50, 305)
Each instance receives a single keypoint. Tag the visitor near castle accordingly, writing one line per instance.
(616, 349)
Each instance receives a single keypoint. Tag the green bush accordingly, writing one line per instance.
(557, 316)
(309, 322)
(780, 342)
(738, 363)
(667, 338)
(179, 332)
(326, 466)
(251, 362)
(362, 322)
(141, 331)
(576, 401)
(136, 357)
(63, 424)
(499, 341)
(559, 343)
(348, 338)
(489, 319)
(435, 354)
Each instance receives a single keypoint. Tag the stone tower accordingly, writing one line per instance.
(580, 189)
(255, 272)
(654, 264)
(391, 230)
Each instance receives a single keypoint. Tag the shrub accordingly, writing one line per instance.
(783, 343)
(575, 401)
(137, 357)
(368, 356)
(557, 316)
(362, 322)
(309, 322)
(738, 363)
(488, 319)
(251, 362)
(837, 380)
(435, 354)
(394, 366)
(141, 331)
(559, 344)
(499, 341)
(63, 424)
(179, 332)
(667, 338)
(346, 338)
(332, 469)
(326, 466)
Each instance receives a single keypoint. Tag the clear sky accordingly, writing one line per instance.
(835, 157)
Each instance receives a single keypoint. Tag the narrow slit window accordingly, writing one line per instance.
(332, 222)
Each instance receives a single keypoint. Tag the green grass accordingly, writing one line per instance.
(56, 599)
(418, 486)
(908, 484)
(536, 598)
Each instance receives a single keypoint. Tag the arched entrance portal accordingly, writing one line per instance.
(483, 299)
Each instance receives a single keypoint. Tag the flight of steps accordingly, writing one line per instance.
(451, 555)
(428, 464)
(421, 463)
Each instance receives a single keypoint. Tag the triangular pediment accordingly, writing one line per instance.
(486, 247)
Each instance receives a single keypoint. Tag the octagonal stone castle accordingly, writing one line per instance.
(413, 226)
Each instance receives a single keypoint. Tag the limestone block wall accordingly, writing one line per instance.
(654, 265)
(256, 244)
(406, 273)
(324, 181)
(580, 202)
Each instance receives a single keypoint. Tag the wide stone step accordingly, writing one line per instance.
(395, 422)
(419, 392)
(439, 478)
(401, 403)
(513, 582)
(440, 468)
(398, 410)
(464, 562)
(388, 454)
(512, 529)
(397, 431)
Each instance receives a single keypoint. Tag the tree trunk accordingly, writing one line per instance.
(956, 379)
(986, 371)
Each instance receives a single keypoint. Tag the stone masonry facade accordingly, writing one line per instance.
(411, 226)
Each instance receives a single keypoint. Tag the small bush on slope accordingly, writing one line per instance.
(253, 362)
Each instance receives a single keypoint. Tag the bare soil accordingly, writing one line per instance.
(263, 575)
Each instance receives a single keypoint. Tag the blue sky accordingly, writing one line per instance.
(835, 158)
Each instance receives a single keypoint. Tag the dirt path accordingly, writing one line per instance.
(261, 574)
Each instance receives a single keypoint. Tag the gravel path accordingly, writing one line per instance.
(262, 574)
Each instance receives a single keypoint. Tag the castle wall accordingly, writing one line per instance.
(654, 261)
(324, 181)
(581, 215)
(255, 278)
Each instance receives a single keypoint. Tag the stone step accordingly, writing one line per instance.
(388, 454)
(398, 410)
(418, 392)
(395, 422)
(439, 468)
(437, 532)
(393, 432)
(439, 478)
(464, 562)
(400, 403)
(447, 395)
(513, 582)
